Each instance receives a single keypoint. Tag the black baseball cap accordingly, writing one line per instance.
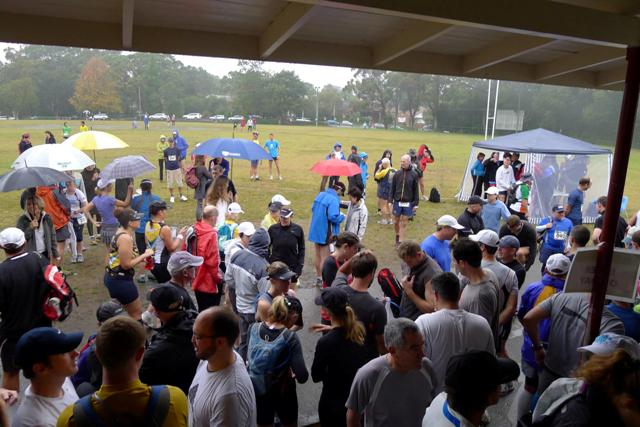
(333, 299)
(296, 306)
(475, 200)
(39, 343)
(286, 212)
(108, 309)
(275, 206)
(558, 208)
(166, 298)
(157, 206)
(477, 371)
(282, 274)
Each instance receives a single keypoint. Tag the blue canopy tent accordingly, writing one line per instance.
(556, 162)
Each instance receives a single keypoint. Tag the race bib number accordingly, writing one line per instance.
(560, 235)
(404, 204)
(82, 219)
(172, 158)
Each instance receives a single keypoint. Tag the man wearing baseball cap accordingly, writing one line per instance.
(507, 250)
(507, 284)
(170, 358)
(556, 233)
(437, 244)
(472, 384)
(47, 357)
(287, 243)
(22, 291)
(471, 219)
(182, 268)
(552, 282)
(494, 210)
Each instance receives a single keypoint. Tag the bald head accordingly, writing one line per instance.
(405, 161)
(210, 214)
(220, 322)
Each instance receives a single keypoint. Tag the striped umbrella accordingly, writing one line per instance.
(127, 167)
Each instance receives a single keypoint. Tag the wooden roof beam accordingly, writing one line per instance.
(504, 50)
(128, 7)
(415, 36)
(283, 26)
(587, 58)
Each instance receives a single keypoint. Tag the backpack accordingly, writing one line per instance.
(58, 303)
(157, 410)
(391, 288)
(434, 195)
(225, 235)
(263, 356)
(191, 177)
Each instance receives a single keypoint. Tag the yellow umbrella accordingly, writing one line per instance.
(95, 140)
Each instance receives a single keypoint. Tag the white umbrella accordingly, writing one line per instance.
(55, 156)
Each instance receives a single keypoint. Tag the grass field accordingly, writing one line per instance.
(301, 147)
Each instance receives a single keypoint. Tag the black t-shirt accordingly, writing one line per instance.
(518, 269)
(621, 229)
(22, 293)
(373, 316)
(329, 270)
(527, 236)
(335, 363)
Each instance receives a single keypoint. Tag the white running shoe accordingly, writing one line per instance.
(270, 177)
(172, 199)
(280, 178)
(183, 198)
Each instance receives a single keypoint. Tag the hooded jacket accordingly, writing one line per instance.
(24, 224)
(325, 217)
(170, 358)
(247, 272)
(207, 278)
(181, 144)
(357, 217)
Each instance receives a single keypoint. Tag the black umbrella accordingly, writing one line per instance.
(31, 177)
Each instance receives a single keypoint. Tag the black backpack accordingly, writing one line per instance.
(434, 195)
(391, 288)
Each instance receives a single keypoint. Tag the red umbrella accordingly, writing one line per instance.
(335, 167)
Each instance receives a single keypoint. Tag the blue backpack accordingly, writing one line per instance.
(264, 370)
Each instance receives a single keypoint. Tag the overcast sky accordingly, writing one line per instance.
(317, 75)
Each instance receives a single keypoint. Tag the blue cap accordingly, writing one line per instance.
(363, 155)
(40, 343)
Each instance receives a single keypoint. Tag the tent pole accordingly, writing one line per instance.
(495, 110)
(616, 190)
(486, 121)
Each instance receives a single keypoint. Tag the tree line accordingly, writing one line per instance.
(47, 81)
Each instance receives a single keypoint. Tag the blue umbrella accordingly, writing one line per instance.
(232, 148)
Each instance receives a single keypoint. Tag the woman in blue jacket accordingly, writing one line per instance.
(477, 174)
(325, 223)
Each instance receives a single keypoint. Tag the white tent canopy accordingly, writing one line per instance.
(556, 162)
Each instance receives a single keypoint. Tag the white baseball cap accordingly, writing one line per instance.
(12, 236)
(558, 264)
(492, 190)
(234, 208)
(449, 221)
(486, 237)
(102, 183)
(280, 199)
(246, 228)
(607, 343)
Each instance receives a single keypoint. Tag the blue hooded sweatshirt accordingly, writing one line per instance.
(181, 144)
(325, 213)
(535, 294)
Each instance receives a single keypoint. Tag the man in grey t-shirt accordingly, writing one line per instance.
(221, 393)
(394, 389)
(568, 314)
(480, 294)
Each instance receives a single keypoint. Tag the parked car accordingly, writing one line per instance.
(235, 118)
(346, 123)
(378, 125)
(217, 117)
(332, 122)
(158, 116)
(303, 121)
(192, 116)
(100, 116)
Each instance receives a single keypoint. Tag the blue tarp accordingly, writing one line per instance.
(540, 141)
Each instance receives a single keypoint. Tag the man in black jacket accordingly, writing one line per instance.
(471, 218)
(170, 358)
(404, 195)
(287, 243)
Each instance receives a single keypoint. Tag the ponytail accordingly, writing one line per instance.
(355, 330)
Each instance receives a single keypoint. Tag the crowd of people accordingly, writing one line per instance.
(218, 344)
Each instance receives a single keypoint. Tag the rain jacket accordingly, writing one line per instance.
(404, 187)
(160, 147)
(247, 272)
(325, 217)
(357, 217)
(208, 276)
(170, 358)
(181, 144)
(24, 224)
(54, 205)
(535, 294)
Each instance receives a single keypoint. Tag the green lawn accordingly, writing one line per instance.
(301, 147)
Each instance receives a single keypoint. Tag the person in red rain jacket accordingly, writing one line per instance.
(424, 156)
(206, 284)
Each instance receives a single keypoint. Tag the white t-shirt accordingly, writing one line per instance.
(504, 178)
(222, 398)
(38, 411)
(437, 416)
(76, 200)
(449, 332)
